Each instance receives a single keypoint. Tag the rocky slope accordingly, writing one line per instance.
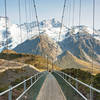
(42, 45)
(67, 60)
(82, 44)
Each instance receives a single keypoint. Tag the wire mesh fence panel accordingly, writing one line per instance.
(32, 93)
(69, 92)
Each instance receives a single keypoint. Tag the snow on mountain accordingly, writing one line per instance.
(85, 30)
(28, 30)
(50, 27)
(13, 36)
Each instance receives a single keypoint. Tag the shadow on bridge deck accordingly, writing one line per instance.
(50, 90)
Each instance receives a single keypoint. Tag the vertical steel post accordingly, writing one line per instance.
(10, 94)
(47, 64)
(52, 65)
(69, 80)
(24, 85)
(35, 77)
(91, 93)
(76, 85)
(63, 75)
(31, 80)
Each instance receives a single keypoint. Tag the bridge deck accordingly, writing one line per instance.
(50, 90)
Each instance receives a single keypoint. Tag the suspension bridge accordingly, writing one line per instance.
(53, 85)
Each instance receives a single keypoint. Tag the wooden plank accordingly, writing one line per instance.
(50, 90)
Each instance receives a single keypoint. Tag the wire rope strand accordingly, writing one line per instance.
(69, 13)
(79, 38)
(62, 19)
(30, 15)
(26, 18)
(19, 6)
(93, 43)
(73, 12)
(6, 18)
(36, 16)
(38, 28)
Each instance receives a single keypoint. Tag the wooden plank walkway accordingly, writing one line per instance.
(50, 90)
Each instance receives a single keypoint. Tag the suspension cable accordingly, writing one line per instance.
(38, 27)
(92, 79)
(73, 27)
(73, 12)
(30, 14)
(62, 19)
(69, 13)
(69, 21)
(61, 24)
(79, 40)
(6, 43)
(80, 5)
(32, 10)
(26, 18)
(36, 16)
(20, 20)
(93, 43)
(93, 29)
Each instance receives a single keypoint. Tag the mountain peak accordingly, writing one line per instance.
(82, 28)
(50, 23)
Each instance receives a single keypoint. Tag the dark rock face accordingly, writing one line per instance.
(40, 45)
(79, 45)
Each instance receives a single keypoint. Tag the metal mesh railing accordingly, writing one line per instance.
(32, 92)
(13, 92)
(76, 88)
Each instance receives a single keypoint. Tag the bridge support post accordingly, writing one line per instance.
(76, 85)
(31, 80)
(69, 80)
(35, 77)
(91, 93)
(63, 76)
(24, 85)
(10, 94)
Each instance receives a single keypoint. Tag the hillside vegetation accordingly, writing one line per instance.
(70, 61)
(86, 77)
(35, 60)
(15, 67)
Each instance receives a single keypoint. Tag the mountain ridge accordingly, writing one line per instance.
(79, 43)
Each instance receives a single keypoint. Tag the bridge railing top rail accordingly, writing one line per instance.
(10, 89)
(89, 86)
(26, 91)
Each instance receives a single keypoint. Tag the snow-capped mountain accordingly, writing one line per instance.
(28, 30)
(41, 45)
(12, 37)
(50, 27)
(69, 38)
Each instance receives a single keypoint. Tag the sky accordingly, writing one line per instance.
(48, 9)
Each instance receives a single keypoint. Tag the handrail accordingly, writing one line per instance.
(2, 93)
(28, 88)
(97, 90)
(73, 88)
